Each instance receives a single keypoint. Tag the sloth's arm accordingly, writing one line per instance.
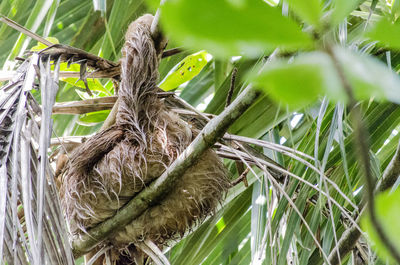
(90, 152)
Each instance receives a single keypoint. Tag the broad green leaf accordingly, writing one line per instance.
(388, 211)
(369, 77)
(309, 10)
(313, 74)
(93, 118)
(226, 28)
(342, 8)
(184, 71)
(387, 33)
(40, 46)
(302, 81)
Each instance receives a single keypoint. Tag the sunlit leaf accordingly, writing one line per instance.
(93, 83)
(184, 71)
(93, 118)
(226, 28)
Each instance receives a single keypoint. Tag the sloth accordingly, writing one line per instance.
(114, 165)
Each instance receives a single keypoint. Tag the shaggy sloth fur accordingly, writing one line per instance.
(114, 165)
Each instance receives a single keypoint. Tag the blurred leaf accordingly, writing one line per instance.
(227, 28)
(313, 74)
(369, 77)
(302, 81)
(388, 211)
(184, 71)
(310, 10)
(342, 8)
(396, 8)
(387, 33)
(93, 118)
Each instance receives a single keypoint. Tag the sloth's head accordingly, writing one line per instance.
(160, 41)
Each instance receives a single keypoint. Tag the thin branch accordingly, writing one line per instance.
(211, 133)
(242, 178)
(171, 52)
(363, 152)
(231, 88)
(84, 106)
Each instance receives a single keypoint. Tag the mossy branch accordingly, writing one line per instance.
(211, 133)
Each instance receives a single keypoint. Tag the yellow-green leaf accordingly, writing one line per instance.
(184, 71)
(40, 46)
(94, 84)
(92, 118)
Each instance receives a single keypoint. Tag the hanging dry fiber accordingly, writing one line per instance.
(111, 167)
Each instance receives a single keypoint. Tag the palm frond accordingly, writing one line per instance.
(32, 227)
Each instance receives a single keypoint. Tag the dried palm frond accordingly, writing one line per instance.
(32, 227)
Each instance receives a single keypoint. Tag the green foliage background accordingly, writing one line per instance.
(283, 52)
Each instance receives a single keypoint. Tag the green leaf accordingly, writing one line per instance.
(93, 118)
(387, 33)
(93, 83)
(302, 81)
(310, 10)
(388, 211)
(226, 28)
(342, 8)
(40, 46)
(313, 74)
(184, 71)
(369, 77)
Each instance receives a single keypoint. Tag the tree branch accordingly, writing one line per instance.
(211, 133)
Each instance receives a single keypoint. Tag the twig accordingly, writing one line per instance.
(231, 88)
(171, 52)
(84, 106)
(363, 150)
(242, 178)
(211, 133)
